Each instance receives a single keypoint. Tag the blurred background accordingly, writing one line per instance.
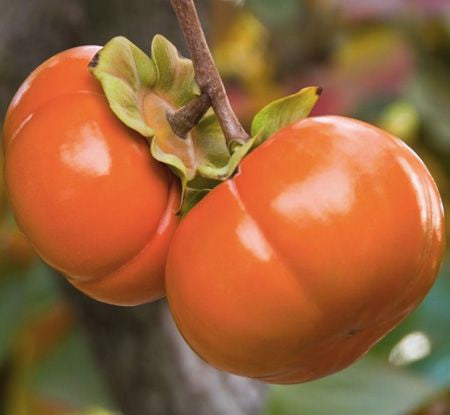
(383, 61)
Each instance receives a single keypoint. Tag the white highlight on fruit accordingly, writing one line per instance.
(87, 153)
(253, 239)
(327, 193)
(419, 187)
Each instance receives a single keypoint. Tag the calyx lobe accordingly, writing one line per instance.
(142, 91)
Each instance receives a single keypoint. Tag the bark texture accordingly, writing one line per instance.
(151, 370)
(147, 365)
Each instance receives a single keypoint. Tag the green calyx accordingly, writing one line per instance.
(141, 91)
(285, 111)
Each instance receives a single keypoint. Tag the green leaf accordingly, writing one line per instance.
(172, 161)
(216, 159)
(191, 198)
(284, 111)
(216, 164)
(368, 387)
(209, 141)
(175, 74)
(238, 152)
(126, 74)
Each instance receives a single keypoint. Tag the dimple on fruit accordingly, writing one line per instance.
(330, 234)
(83, 186)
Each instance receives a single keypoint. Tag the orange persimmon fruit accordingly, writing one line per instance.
(330, 234)
(84, 188)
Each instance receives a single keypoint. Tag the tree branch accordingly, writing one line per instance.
(206, 73)
(150, 369)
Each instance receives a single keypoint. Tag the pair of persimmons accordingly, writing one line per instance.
(329, 235)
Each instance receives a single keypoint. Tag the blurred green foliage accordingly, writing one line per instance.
(369, 387)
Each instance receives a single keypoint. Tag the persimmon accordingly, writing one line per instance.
(330, 234)
(84, 188)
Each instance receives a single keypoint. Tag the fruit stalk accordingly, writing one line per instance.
(206, 73)
(187, 117)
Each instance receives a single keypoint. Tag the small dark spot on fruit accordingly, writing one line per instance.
(94, 61)
(319, 90)
(352, 332)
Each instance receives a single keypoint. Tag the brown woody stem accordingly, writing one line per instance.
(206, 73)
(187, 117)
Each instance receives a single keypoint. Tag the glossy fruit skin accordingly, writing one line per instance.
(330, 234)
(84, 188)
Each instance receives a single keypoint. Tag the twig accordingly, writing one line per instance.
(187, 117)
(206, 73)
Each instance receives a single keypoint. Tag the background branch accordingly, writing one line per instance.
(150, 369)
